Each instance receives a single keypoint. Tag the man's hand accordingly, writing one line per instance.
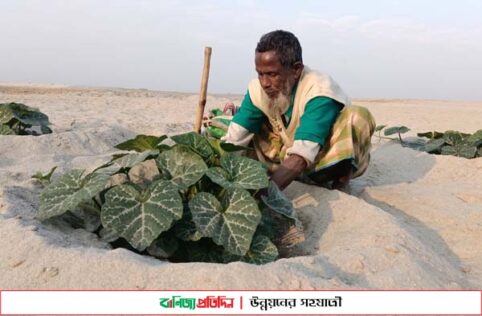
(229, 109)
(289, 169)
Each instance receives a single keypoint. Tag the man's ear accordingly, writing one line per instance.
(298, 69)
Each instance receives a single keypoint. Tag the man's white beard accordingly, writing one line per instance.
(280, 103)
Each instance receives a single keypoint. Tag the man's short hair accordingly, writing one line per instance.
(284, 43)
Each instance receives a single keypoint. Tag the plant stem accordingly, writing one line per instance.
(400, 137)
(384, 137)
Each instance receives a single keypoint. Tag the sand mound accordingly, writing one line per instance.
(413, 221)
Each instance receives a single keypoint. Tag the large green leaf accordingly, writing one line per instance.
(453, 137)
(476, 138)
(23, 113)
(182, 166)
(140, 217)
(262, 251)
(6, 113)
(196, 142)
(434, 146)
(395, 130)
(231, 222)
(220, 176)
(466, 151)
(239, 172)
(278, 202)
(245, 172)
(6, 130)
(460, 150)
(142, 143)
(448, 150)
(69, 191)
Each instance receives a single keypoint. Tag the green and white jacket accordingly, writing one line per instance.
(301, 129)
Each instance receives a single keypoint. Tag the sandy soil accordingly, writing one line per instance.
(413, 221)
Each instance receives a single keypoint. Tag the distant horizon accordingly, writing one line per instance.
(375, 49)
(41, 85)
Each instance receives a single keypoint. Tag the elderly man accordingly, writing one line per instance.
(300, 121)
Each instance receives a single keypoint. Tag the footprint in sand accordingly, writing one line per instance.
(48, 273)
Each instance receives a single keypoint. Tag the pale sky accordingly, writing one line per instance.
(428, 49)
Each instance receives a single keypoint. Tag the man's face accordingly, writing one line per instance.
(274, 78)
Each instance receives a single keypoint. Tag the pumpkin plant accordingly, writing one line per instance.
(447, 143)
(20, 119)
(194, 201)
(454, 143)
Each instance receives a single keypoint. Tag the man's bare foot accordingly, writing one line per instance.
(341, 183)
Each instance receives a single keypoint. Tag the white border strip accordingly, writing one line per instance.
(240, 302)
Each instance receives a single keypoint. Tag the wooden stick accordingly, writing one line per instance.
(204, 89)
